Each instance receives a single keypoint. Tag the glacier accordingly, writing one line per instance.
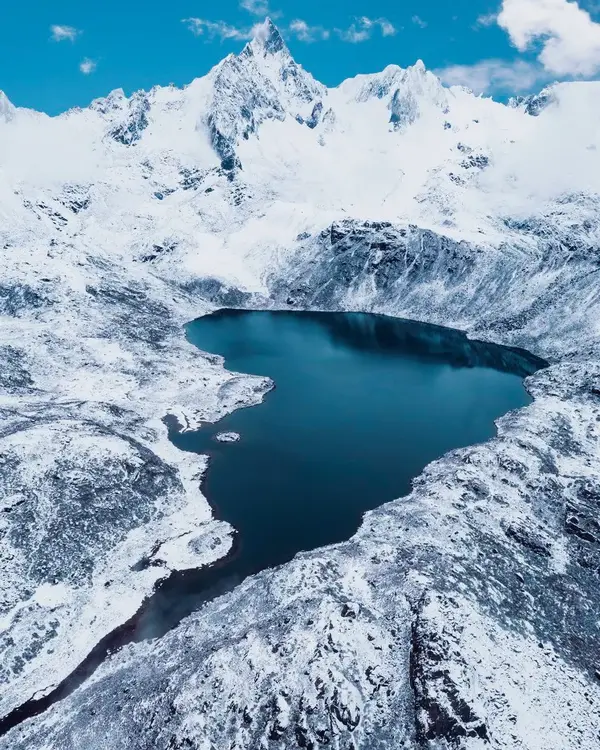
(462, 616)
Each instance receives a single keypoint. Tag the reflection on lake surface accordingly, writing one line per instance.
(362, 404)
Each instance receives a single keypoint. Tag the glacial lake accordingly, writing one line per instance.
(362, 404)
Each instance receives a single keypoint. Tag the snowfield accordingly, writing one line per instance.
(466, 615)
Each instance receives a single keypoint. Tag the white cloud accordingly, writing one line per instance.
(363, 28)
(487, 19)
(570, 39)
(305, 33)
(418, 21)
(218, 29)
(387, 28)
(354, 33)
(87, 66)
(62, 33)
(487, 75)
(255, 7)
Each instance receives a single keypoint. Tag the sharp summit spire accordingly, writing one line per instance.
(268, 36)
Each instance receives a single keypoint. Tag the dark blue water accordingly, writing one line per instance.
(362, 404)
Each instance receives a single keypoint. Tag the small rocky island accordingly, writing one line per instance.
(227, 437)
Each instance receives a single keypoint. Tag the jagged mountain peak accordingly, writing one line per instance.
(7, 109)
(381, 85)
(115, 100)
(535, 104)
(408, 92)
(267, 40)
(266, 57)
(273, 61)
(262, 83)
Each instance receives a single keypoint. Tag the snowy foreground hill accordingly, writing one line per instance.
(466, 615)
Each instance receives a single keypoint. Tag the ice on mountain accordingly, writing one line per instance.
(7, 109)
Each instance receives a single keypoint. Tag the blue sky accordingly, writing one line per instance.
(60, 54)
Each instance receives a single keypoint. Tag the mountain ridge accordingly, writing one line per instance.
(247, 91)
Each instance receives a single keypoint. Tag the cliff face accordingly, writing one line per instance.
(464, 615)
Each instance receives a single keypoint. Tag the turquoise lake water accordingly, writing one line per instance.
(362, 404)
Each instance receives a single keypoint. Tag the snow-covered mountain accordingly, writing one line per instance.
(464, 616)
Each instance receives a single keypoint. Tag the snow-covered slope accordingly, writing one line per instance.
(463, 616)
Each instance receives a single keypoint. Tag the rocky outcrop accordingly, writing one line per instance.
(534, 104)
(130, 130)
(442, 715)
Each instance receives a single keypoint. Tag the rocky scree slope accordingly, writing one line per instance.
(463, 616)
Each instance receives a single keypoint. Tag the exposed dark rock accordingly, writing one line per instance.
(315, 116)
(404, 108)
(136, 121)
(13, 373)
(477, 161)
(534, 104)
(582, 513)
(224, 147)
(219, 293)
(157, 251)
(18, 299)
(441, 712)
(76, 198)
(529, 540)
